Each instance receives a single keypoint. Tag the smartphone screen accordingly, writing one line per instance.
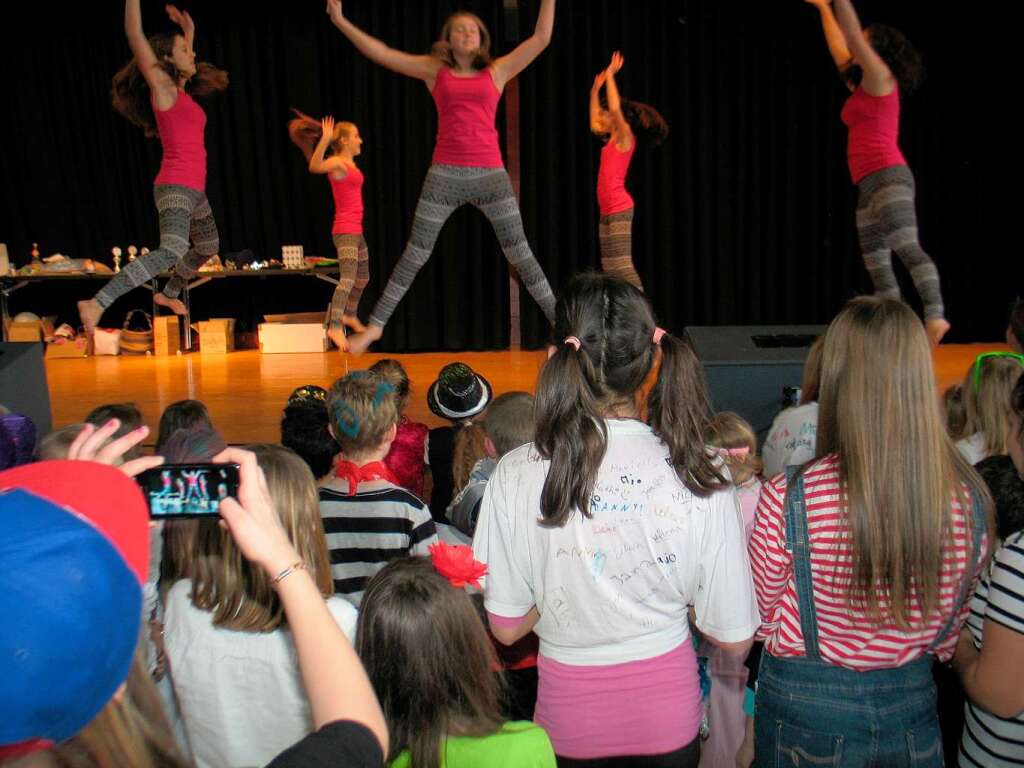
(187, 490)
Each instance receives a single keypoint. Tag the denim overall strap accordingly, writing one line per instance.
(965, 585)
(798, 543)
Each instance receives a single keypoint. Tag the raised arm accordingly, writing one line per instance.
(317, 162)
(334, 678)
(878, 79)
(510, 65)
(420, 67)
(595, 101)
(183, 20)
(834, 37)
(160, 83)
(622, 134)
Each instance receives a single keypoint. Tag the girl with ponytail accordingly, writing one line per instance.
(603, 535)
(315, 138)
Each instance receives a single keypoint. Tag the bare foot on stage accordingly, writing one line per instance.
(360, 342)
(90, 312)
(337, 335)
(353, 322)
(177, 306)
(936, 328)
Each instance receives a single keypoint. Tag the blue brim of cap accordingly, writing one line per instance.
(72, 610)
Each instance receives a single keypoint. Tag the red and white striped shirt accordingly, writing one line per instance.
(846, 636)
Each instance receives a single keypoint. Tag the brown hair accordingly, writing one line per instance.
(898, 469)
(576, 389)
(811, 381)
(240, 595)
(442, 47)
(130, 731)
(509, 421)
(429, 658)
(469, 448)
(362, 408)
(394, 373)
(306, 132)
(130, 92)
(987, 400)
(730, 430)
(955, 411)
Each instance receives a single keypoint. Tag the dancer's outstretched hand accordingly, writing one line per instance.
(599, 80)
(327, 124)
(181, 18)
(616, 63)
(334, 10)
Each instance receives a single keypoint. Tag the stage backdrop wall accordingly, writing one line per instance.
(745, 214)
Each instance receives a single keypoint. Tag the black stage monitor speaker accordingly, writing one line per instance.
(23, 383)
(748, 367)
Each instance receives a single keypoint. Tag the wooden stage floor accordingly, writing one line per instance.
(245, 391)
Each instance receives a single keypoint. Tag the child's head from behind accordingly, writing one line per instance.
(734, 437)
(363, 414)
(305, 428)
(240, 595)
(181, 415)
(129, 416)
(955, 410)
(605, 346)
(394, 374)
(509, 422)
(987, 390)
(428, 656)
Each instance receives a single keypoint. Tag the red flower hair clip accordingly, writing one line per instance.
(456, 563)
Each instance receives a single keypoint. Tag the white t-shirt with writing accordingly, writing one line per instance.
(791, 439)
(616, 587)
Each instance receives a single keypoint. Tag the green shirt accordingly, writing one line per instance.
(519, 744)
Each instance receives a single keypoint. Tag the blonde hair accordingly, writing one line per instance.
(56, 444)
(394, 373)
(730, 430)
(240, 595)
(898, 469)
(469, 448)
(363, 407)
(987, 400)
(129, 730)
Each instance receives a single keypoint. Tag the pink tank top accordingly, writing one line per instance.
(874, 129)
(612, 196)
(466, 107)
(181, 135)
(348, 203)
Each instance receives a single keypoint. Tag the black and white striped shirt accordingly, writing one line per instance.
(380, 523)
(989, 741)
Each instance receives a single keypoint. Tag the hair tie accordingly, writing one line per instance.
(457, 564)
(658, 333)
(572, 341)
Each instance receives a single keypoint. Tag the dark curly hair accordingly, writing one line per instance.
(898, 53)
(646, 122)
(130, 92)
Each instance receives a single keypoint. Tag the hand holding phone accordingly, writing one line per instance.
(188, 490)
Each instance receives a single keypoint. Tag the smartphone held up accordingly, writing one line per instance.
(188, 490)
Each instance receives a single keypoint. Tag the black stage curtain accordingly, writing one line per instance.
(744, 216)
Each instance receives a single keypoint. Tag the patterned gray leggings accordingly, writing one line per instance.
(445, 189)
(886, 222)
(353, 275)
(184, 213)
(615, 234)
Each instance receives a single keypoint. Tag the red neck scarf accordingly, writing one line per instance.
(356, 474)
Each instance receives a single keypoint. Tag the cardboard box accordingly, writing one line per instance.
(35, 330)
(166, 338)
(216, 335)
(278, 338)
(68, 348)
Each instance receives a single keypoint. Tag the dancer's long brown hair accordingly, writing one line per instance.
(130, 92)
(305, 133)
(899, 471)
